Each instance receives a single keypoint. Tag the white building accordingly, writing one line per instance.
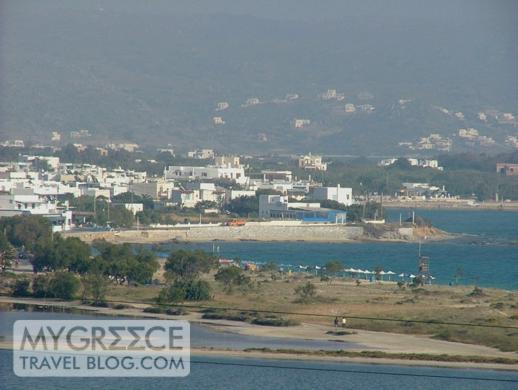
(221, 106)
(156, 188)
(301, 123)
(17, 143)
(343, 195)
(176, 172)
(55, 136)
(128, 146)
(227, 161)
(201, 154)
(329, 94)
(186, 198)
(269, 203)
(350, 108)
(234, 194)
(271, 176)
(21, 201)
(469, 133)
(134, 207)
(218, 120)
(415, 162)
(312, 162)
(251, 102)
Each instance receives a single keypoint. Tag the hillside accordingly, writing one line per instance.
(153, 73)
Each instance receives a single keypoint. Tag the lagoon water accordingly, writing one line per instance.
(219, 373)
(487, 254)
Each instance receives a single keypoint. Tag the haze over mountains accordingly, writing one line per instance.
(153, 72)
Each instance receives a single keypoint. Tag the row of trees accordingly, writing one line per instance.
(70, 261)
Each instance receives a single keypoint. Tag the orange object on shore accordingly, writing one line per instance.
(236, 222)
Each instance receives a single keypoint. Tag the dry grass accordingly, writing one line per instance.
(344, 298)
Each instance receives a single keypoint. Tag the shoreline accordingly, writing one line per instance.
(383, 343)
(451, 205)
(243, 354)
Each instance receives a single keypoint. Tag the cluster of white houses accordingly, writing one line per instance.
(41, 185)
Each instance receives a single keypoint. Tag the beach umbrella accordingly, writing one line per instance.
(350, 270)
(401, 275)
(390, 273)
(411, 276)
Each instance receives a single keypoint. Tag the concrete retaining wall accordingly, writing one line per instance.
(258, 232)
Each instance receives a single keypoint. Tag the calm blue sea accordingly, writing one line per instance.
(487, 255)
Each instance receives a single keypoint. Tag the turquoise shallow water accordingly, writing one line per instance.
(487, 254)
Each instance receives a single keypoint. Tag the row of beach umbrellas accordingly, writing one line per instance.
(364, 272)
(367, 272)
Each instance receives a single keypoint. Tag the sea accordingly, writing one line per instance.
(485, 253)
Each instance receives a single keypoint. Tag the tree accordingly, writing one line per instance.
(171, 294)
(188, 265)
(333, 267)
(26, 230)
(40, 286)
(142, 268)
(7, 253)
(417, 282)
(244, 206)
(197, 290)
(204, 205)
(190, 290)
(230, 277)
(21, 288)
(63, 285)
(306, 292)
(121, 263)
(61, 253)
(95, 285)
(271, 266)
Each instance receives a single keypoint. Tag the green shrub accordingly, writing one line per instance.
(40, 286)
(152, 309)
(21, 288)
(63, 285)
(477, 292)
(274, 322)
(120, 306)
(222, 315)
(192, 290)
(176, 311)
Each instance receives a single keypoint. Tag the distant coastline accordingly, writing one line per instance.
(451, 205)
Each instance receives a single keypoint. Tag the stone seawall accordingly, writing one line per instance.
(255, 232)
